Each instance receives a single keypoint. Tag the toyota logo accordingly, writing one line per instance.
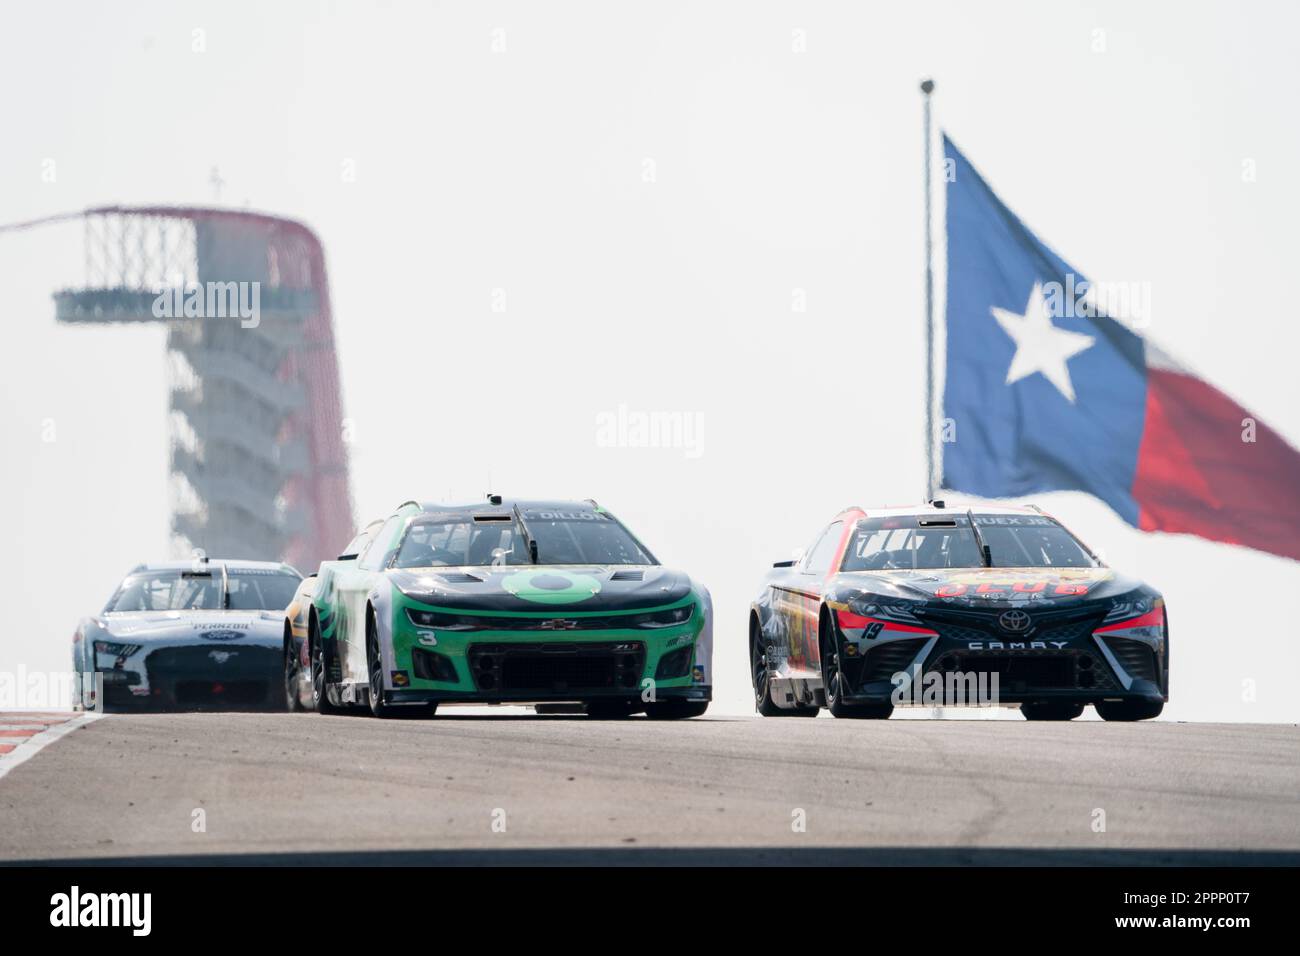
(1013, 620)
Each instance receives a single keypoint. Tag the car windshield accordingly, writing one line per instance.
(926, 542)
(244, 589)
(562, 537)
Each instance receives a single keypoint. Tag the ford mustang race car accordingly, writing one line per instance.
(935, 606)
(509, 602)
(187, 634)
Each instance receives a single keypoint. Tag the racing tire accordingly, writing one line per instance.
(676, 709)
(1051, 711)
(1126, 710)
(292, 703)
(320, 670)
(831, 683)
(763, 702)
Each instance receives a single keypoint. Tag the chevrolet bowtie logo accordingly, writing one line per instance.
(559, 625)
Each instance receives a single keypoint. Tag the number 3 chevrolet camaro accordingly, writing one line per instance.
(936, 606)
(506, 602)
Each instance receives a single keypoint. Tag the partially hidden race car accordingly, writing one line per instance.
(550, 603)
(939, 606)
(200, 634)
(298, 688)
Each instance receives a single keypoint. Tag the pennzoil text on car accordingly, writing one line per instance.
(885, 601)
(540, 602)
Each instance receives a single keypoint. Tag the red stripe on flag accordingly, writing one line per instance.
(1195, 474)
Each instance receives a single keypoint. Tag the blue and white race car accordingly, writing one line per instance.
(203, 634)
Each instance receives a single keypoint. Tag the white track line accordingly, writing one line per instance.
(33, 745)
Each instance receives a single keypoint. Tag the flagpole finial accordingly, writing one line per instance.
(927, 86)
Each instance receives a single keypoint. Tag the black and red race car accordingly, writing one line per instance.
(943, 606)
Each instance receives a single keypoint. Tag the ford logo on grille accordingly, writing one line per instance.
(221, 635)
(1013, 620)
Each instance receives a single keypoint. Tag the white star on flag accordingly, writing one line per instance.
(1041, 346)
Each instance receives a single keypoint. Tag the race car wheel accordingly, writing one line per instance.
(1129, 709)
(763, 702)
(831, 681)
(610, 709)
(375, 671)
(319, 674)
(1051, 711)
(676, 709)
(292, 702)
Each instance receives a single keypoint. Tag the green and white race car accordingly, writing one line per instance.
(530, 602)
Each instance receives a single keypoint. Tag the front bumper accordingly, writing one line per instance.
(194, 677)
(962, 664)
(521, 661)
(697, 693)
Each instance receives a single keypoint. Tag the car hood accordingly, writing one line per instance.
(544, 587)
(193, 627)
(989, 587)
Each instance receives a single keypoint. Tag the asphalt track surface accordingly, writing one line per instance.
(309, 789)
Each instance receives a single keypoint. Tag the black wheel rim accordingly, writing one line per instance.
(830, 670)
(318, 675)
(290, 676)
(759, 661)
(376, 670)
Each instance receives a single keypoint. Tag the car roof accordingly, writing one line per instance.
(950, 507)
(507, 506)
(232, 564)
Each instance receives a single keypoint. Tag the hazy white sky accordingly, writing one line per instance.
(524, 170)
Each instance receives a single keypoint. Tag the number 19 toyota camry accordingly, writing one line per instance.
(926, 605)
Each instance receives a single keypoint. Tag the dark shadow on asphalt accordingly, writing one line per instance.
(713, 856)
(533, 718)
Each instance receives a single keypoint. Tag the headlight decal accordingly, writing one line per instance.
(1128, 608)
(859, 627)
(116, 648)
(1149, 627)
(669, 618)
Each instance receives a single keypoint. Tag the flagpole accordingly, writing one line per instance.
(927, 88)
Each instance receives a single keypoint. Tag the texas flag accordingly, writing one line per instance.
(1046, 390)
